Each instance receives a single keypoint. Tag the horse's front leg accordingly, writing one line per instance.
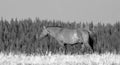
(83, 46)
(62, 47)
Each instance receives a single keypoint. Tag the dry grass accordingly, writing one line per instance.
(93, 59)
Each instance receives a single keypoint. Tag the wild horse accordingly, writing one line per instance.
(68, 36)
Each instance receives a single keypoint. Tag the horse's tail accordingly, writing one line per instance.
(87, 29)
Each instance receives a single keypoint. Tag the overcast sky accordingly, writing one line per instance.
(65, 10)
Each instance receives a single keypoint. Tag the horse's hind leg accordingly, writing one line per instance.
(88, 46)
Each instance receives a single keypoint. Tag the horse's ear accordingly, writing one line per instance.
(44, 27)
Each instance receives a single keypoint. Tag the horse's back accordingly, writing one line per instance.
(67, 35)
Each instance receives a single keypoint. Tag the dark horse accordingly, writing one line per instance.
(68, 36)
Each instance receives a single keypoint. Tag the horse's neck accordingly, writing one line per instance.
(54, 31)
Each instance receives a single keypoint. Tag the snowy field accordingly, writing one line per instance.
(93, 59)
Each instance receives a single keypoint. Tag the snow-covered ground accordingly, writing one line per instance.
(88, 59)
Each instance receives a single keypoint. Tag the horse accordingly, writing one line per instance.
(68, 36)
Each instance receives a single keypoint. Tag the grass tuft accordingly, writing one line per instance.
(60, 59)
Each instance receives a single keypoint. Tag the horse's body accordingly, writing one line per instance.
(67, 36)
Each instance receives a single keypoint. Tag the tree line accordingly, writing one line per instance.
(22, 36)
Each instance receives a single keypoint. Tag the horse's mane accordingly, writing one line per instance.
(54, 26)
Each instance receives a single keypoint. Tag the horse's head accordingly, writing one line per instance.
(44, 32)
(52, 31)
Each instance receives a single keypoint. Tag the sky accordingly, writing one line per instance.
(104, 11)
